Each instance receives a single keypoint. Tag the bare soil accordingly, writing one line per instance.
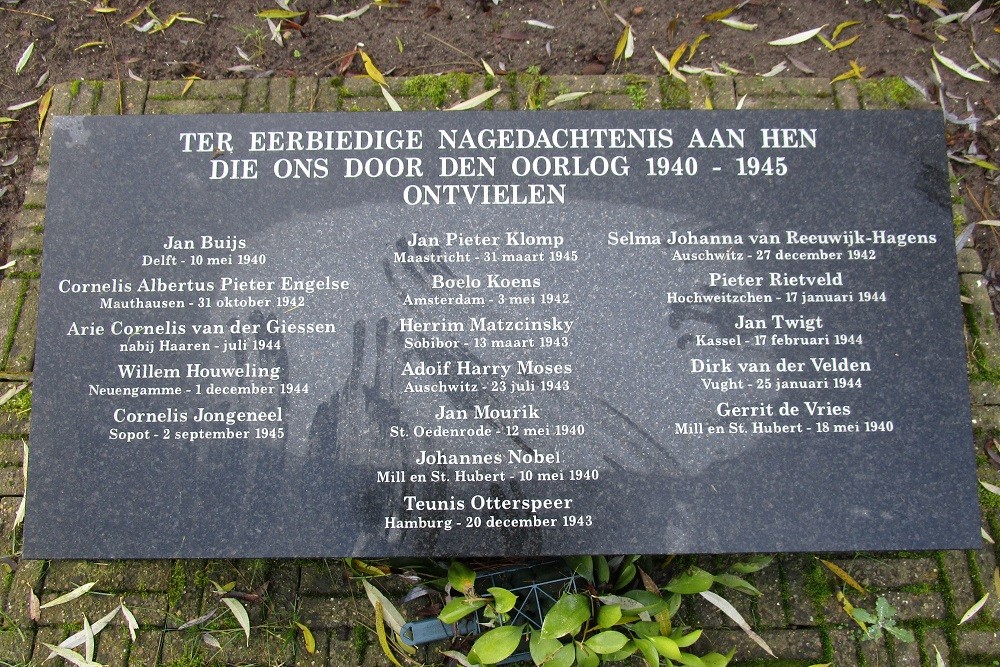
(73, 41)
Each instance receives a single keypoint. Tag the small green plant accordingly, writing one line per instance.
(872, 625)
(620, 612)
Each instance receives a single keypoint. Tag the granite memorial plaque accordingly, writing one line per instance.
(499, 334)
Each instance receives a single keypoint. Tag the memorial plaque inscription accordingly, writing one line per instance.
(499, 333)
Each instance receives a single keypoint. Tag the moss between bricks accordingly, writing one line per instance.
(361, 642)
(15, 319)
(636, 88)
(437, 88)
(890, 92)
(675, 94)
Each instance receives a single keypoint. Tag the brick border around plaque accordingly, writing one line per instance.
(797, 613)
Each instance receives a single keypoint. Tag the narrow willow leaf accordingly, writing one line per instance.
(719, 15)
(133, 624)
(307, 637)
(739, 25)
(45, 77)
(986, 65)
(956, 68)
(824, 664)
(847, 42)
(539, 24)
(827, 43)
(776, 70)
(13, 391)
(371, 70)
(996, 580)
(69, 597)
(88, 640)
(841, 27)
(676, 56)
(43, 108)
(974, 609)
(104, 10)
(4, 120)
(798, 37)
(848, 579)
(567, 97)
(938, 660)
(190, 82)
(340, 18)
(80, 637)
(989, 166)
(853, 73)
(278, 14)
(393, 104)
(71, 656)
(986, 536)
(25, 57)
(382, 639)
(666, 65)
(486, 66)
(240, 614)
(730, 611)
(210, 640)
(391, 614)
(694, 45)
(458, 657)
(90, 45)
(475, 101)
(626, 45)
(992, 488)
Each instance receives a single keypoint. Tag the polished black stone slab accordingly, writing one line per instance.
(499, 334)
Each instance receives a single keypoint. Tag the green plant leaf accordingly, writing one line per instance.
(601, 570)
(690, 660)
(582, 565)
(503, 599)
(864, 616)
(543, 650)
(755, 564)
(461, 578)
(734, 582)
(714, 659)
(902, 634)
(608, 615)
(692, 582)
(498, 644)
(566, 617)
(686, 640)
(648, 651)
(605, 642)
(626, 576)
(666, 647)
(459, 608)
(646, 629)
(586, 657)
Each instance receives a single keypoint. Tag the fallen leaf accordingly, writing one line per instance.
(43, 108)
(801, 66)
(848, 579)
(72, 656)
(987, 536)
(849, 609)
(190, 82)
(474, 102)
(240, 614)
(739, 25)
(9, 162)
(25, 57)
(567, 97)
(974, 609)
(626, 45)
(372, 71)
(730, 611)
(777, 69)
(486, 66)
(34, 608)
(667, 66)
(68, 597)
(307, 637)
(739, 103)
(90, 45)
(958, 69)
(694, 45)
(340, 18)
(798, 38)
(210, 640)
(841, 27)
(719, 15)
(853, 73)
(996, 580)
(515, 35)
(278, 14)
(393, 104)
(938, 659)
(539, 24)
(992, 488)
(130, 621)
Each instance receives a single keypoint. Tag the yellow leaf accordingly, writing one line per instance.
(675, 57)
(104, 10)
(721, 14)
(827, 43)
(846, 42)
(708, 103)
(933, 4)
(624, 49)
(190, 82)
(849, 609)
(840, 28)
(43, 108)
(278, 14)
(996, 579)
(848, 579)
(694, 45)
(382, 639)
(90, 45)
(984, 164)
(371, 70)
(366, 568)
(307, 637)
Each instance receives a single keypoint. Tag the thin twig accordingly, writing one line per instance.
(114, 58)
(454, 48)
(21, 11)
